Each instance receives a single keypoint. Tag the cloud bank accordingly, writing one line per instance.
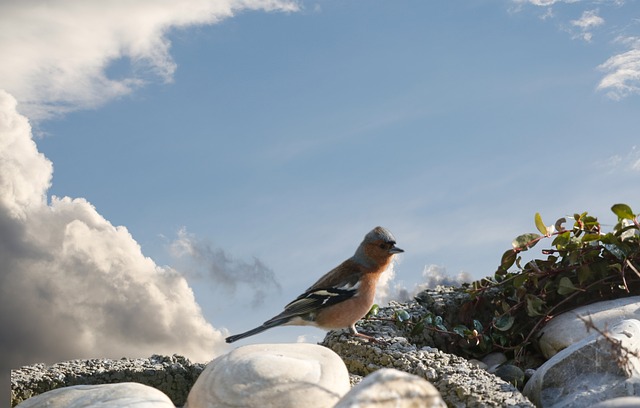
(72, 284)
(56, 53)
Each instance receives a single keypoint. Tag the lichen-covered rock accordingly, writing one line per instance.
(390, 388)
(173, 375)
(460, 383)
(272, 375)
(104, 396)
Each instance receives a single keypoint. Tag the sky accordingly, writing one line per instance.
(173, 172)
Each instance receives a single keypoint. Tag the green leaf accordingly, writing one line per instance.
(534, 305)
(616, 251)
(402, 315)
(623, 211)
(559, 223)
(460, 330)
(373, 311)
(540, 225)
(508, 259)
(525, 241)
(478, 326)
(562, 240)
(418, 328)
(590, 237)
(566, 286)
(584, 274)
(519, 280)
(504, 322)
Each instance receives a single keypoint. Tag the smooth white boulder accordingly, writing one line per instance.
(272, 375)
(567, 328)
(104, 396)
(590, 371)
(621, 402)
(391, 388)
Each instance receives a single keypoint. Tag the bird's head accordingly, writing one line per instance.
(378, 245)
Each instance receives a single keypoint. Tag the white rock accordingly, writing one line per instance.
(272, 375)
(587, 372)
(392, 388)
(103, 396)
(622, 402)
(567, 329)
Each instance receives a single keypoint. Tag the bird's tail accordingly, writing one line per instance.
(276, 321)
(251, 332)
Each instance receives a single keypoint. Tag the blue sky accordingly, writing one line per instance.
(272, 141)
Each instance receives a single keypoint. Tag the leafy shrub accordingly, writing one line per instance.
(504, 312)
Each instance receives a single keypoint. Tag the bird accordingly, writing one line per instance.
(343, 295)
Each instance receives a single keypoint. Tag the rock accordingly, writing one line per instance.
(511, 374)
(528, 373)
(272, 375)
(567, 328)
(493, 360)
(588, 372)
(622, 402)
(105, 396)
(173, 375)
(393, 389)
(477, 363)
(354, 379)
(459, 383)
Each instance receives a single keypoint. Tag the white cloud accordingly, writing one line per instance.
(629, 161)
(432, 276)
(55, 53)
(545, 3)
(589, 20)
(72, 284)
(200, 260)
(623, 71)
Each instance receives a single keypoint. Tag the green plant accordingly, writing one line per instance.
(584, 265)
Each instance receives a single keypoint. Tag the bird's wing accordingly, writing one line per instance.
(310, 302)
(318, 298)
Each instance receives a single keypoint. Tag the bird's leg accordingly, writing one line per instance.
(354, 332)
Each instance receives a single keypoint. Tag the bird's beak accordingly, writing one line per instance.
(395, 250)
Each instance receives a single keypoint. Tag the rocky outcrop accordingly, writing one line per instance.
(423, 354)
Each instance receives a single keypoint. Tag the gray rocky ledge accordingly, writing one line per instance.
(460, 383)
(173, 375)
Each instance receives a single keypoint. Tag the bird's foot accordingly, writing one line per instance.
(369, 338)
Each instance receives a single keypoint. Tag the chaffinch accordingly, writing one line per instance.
(343, 295)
